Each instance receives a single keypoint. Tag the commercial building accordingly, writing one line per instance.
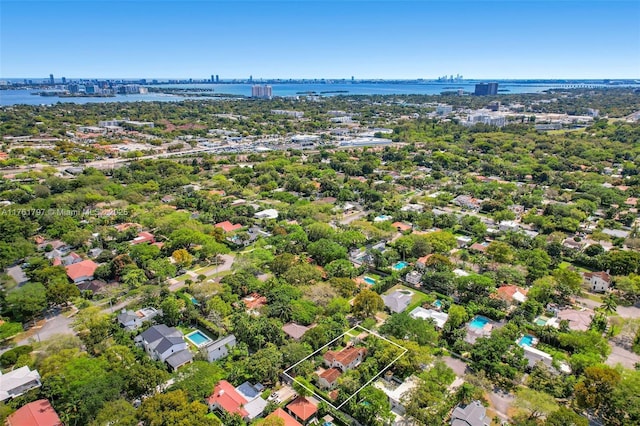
(486, 89)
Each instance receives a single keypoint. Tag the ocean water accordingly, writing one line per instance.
(15, 97)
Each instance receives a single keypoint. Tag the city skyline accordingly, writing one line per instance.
(314, 39)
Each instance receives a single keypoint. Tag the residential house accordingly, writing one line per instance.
(81, 271)
(512, 293)
(67, 260)
(467, 202)
(440, 318)
(417, 208)
(36, 413)
(397, 301)
(472, 414)
(254, 302)
(396, 393)
(18, 381)
(421, 263)
(255, 403)
(414, 277)
(244, 400)
(266, 214)
(329, 378)
(131, 320)
(165, 344)
(227, 399)
(220, 348)
(479, 248)
(573, 244)
(578, 320)
(95, 252)
(302, 410)
(227, 226)
(58, 245)
(286, 417)
(463, 240)
(598, 281)
(533, 356)
(168, 199)
(509, 225)
(346, 359)
(401, 226)
(144, 238)
(295, 331)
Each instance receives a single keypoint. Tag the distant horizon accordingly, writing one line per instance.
(371, 40)
(346, 79)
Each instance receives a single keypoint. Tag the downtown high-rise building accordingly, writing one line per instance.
(51, 79)
(261, 92)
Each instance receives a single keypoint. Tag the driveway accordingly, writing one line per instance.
(53, 326)
(348, 219)
(620, 355)
(457, 365)
(622, 311)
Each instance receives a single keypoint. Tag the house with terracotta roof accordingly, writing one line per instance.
(346, 359)
(254, 301)
(421, 263)
(598, 281)
(226, 398)
(36, 413)
(144, 238)
(286, 417)
(329, 378)
(401, 226)
(477, 247)
(245, 400)
(302, 410)
(227, 226)
(81, 271)
(512, 293)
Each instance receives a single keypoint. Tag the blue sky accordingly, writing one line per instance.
(320, 39)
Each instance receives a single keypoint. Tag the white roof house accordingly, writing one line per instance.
(533, 356)
(266, 214)
(440, 318)
(396, 393)
(17, 382)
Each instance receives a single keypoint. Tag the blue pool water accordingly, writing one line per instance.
(198, 338)
(527, 339)
(479, 322)
(400, 265)
(437, 304)
(369, 280)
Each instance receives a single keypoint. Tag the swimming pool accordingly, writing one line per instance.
(198, 338)
(437, 303)
(400, 265)
(541, 321)
(479, 322)
(369, 280)
(526, 340)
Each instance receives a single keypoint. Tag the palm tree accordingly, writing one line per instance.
(609, 303)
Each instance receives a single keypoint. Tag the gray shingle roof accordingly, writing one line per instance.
(179, 358)
(473, 414)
